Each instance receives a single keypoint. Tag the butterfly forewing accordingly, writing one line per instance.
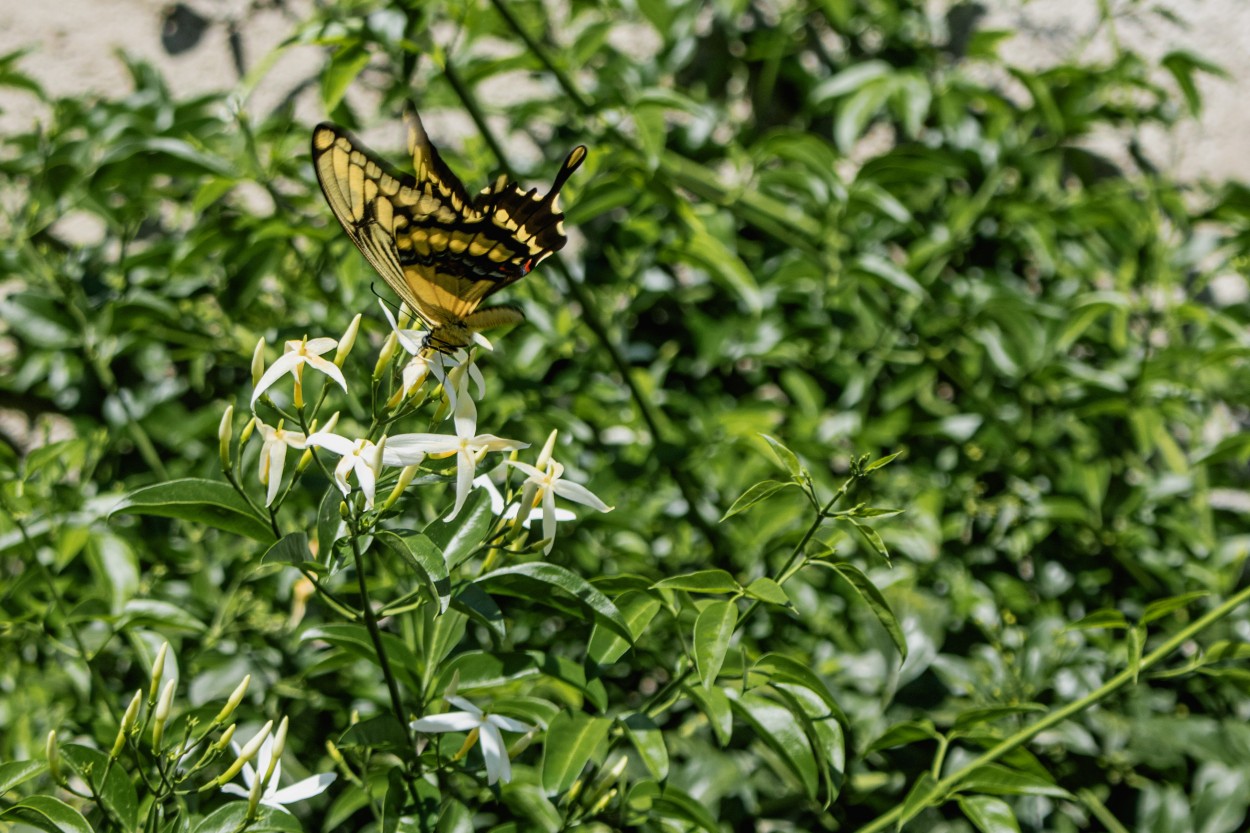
(441, 252)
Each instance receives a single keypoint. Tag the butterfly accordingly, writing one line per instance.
(442, 251)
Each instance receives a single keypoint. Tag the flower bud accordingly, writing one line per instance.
(544, 456)
(225, 431)
(158, 671)
(161, 715)
(385, 355)
(603, 786)
(275, 754)
(232, 703)
(226, 737)
(347, 341)
(246, 754)
(246, 433)
(128, 722)
(405, 478)
(258, 362)
(54, 758)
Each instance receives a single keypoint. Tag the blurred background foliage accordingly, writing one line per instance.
(850, 224)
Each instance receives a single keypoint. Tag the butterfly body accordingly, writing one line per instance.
(442, 251)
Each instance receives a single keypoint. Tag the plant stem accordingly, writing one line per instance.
(948, 784)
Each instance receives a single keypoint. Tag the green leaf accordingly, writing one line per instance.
(988, 814)
(381, 733)
(754, 495)
(232, 816)
(870, 595)
(461, 538)
(647, 738)
(881, 462)
(778, 727)
(1162, 607)
(571, 741)
(638, 608)
(767, 590)
(44, 812)
(115, 789)
(989, 714)
(1000, 780)
(1106, 618)
(701, 581)
(489, 669)
(158, 615)
(712, 632)
(900, 734)
(786, 457)
(1134, 644)
(477, 604)
(290, 549)
(13, 773)
(199, 502)
(675, 804)
(715, 707)
(781, 668)
(424, 556)
(871, 536)
(853, 78)
(345, 64)
(455, 818)
(329, 522)
(921, 795)
(535, 581)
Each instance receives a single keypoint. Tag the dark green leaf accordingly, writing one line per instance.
(199, 502)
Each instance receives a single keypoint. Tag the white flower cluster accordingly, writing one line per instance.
(363, 459)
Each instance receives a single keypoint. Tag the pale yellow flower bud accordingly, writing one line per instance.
(161, 715)
(54, 758)
(385, 355)
(226, 737)
(236, 697)
(544, 456)
(347, 341)
(246, 433)
(245, 756)
(225, 431)
(258, 362)
(405, 478)
(128, 722)
(158, 671)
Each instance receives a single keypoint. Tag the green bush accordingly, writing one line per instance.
(809, 237)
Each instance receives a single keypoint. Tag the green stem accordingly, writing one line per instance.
(375, 634)
(948, 784)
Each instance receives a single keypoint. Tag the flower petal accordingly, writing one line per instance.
(282, 365)
(341, 446)
(328, 368)
(301, 790)
(579, 494)
(508, 724)
(498, 767)
(447, 722)
(464, 704)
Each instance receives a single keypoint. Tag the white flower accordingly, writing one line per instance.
(412, 340)
(272, 796)
(512, 510)
(299, 352)
(410, 449)
(273, 455)
(498, 767)
(547, 484)
(359, 456)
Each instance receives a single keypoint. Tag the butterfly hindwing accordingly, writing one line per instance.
(439, 250)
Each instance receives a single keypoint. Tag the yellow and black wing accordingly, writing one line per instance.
(440, 250)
